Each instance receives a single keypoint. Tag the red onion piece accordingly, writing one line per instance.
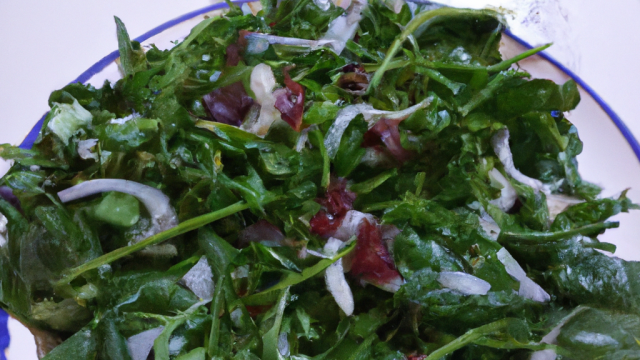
(387, 132)
(290, 101)
(229, 104)
(372, 261)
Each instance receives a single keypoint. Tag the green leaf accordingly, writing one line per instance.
(81, 346)
(505, 333)
(184, 227)
(412, 253)
(319, 112)
(195, 354)
(368, 186)
(132, 58)
(64, 120)
(538, 95)
(28, 157)
(600, 334)
(111, 344)
(218, 251)
(350, 150)
(72, 241)
(270, 338)
(317, 139)
(128, 136)
(118, 209)
(217, 305)
(293, 278)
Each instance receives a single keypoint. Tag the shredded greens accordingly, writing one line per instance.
(321, 180)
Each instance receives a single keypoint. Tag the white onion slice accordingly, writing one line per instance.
(350, 224)
(395, 5)
(140, 345)
(344, 28)
(335, 279)
(558, 203)
(303, 139)
(200, 280)
(489, 226)
(464, 283)
(262, 84)
(84, 149)
(281, 40)
(500, 142)
(508, 194)
(528, 288)
(3, 223)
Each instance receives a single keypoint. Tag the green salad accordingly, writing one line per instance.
(315, 179)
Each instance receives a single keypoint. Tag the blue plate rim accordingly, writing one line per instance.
(100, 65)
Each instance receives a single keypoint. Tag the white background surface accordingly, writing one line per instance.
(46, 44)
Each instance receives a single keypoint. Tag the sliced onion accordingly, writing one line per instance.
(344, 28)
(140, 345)
(528, 288)
(3, 229)
(303, 138)
(559, 203)
(351, 223)
(84, 149)
(395, 5)
(158, 205)
(508, 194)
(200, 280)
(262, 84)
(392, 285)
(280, 40)
(3, 224)
(335, 279)
(283, 345)
(464, 283)
(324, 5)
(342, 3)
(489, 226)
(500, 142)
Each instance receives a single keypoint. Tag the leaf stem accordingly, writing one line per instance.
(216, 308)
(423, 19)
(542, 237)
(504, 65)
(184, 227)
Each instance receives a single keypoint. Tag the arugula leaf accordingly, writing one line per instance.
(132, 57)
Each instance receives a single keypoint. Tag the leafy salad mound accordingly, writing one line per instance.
(318, 180)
